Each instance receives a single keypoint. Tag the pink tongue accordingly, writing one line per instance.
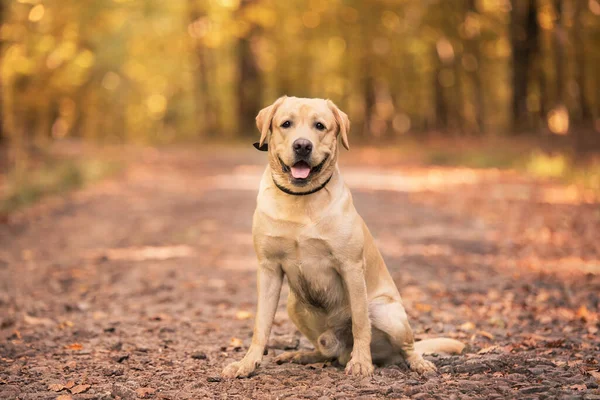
(300, 170)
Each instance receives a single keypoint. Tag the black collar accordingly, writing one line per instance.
(288, 191)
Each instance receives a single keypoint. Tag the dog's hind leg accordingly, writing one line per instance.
(389, 316)
(311, 325)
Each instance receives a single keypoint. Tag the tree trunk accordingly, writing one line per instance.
(441, 105)
(473, 46)
(560, 38)
(585, 136)
(585, 113)
(524, 34)
(249, 83)
(205, 104)
(2, 132)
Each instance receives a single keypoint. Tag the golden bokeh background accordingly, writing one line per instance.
(161, 71)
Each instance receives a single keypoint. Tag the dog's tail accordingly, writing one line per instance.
(439, 345)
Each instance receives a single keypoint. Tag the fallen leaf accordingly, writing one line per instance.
(74, 346)
(235, 342)
(29, 320)
(56, 387)
(467, 326)
(553, 344)
(70, 365)
(583, 313)
(144, 392)
(486, 334)
(596, 375)
(531, 343)
(80, 389)
(64, 397)
(422, 307)
(69, 384)
(65, 324)
(241, 315)
(489, 349)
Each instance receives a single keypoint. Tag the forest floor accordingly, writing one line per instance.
(143, 285)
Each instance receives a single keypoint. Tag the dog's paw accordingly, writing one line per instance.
(359, 367)
(421, 366)
(239, 369)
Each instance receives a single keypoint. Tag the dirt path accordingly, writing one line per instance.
(144, 286)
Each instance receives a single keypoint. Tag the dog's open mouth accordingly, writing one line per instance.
(301, 171)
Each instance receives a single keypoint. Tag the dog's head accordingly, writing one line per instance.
(301, 137)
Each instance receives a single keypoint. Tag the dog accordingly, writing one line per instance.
(342, 297)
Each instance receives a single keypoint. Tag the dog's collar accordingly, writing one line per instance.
(288, 191)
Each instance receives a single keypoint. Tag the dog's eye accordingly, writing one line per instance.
(320, 126)
(286, 124)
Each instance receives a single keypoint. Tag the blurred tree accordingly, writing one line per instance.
(155, 71)
(587, 137)
(249, 78)
(524, 37)
(204, 100)
(560, 38)
(2, 18)
(471, 30)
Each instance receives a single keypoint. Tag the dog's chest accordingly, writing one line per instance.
(308, 259)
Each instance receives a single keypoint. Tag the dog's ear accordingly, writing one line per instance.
(263, 121)
(343, 122)
(264, 147)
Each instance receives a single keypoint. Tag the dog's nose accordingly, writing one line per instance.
(302, 147)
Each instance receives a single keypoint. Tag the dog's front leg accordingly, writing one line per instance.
(361, 363)
(270, 278)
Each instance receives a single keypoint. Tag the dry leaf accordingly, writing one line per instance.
(70, 365)
(241, 315)
(74, 346)
(69, 385)
(235, 342)
(595, 374)
(65, 324)
(486, 334)
(422, 307)
(578, 387)
(144, 392)
(64, 397)
(583, 313)
(467, 326)
(489, 349)
(56, 387)
(80, 389)
(29, 320)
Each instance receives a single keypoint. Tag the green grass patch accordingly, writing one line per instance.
(26, 185)
(564, 168)
(560, 164)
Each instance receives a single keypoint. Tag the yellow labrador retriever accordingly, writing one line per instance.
(342, 297)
